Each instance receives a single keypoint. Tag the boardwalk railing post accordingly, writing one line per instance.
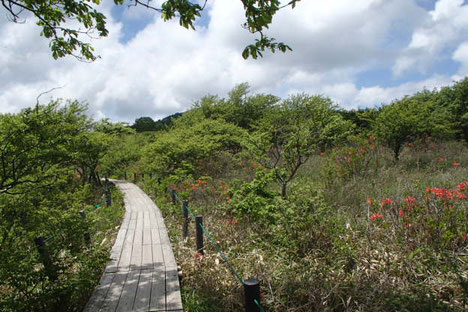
(252, 294)
(108, 197)
(87, 237)
(186, 219)
(134, 176)
(199, 234)
(173, 196)
(125, 175)
(45, 258)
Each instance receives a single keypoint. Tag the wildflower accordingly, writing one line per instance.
(456, 164)
(402, 213)
(370, 201)
(463, 187)
(410, 201)
(441, 159)
(386, 201)
(198, 255)
(377, 216)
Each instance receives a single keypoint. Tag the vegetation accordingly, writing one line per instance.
(54, 17)
(331, 210)
(49, 182)
(362, 210)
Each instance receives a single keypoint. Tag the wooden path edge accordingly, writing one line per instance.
(142, 272)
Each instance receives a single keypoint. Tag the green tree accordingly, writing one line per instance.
(293, 131)
(33, 141)
(177, 150)
(455, 100)
(54, 17)
(144, 124)
(411, 118)
(239, 108)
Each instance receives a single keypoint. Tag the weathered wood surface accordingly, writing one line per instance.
(142, 272)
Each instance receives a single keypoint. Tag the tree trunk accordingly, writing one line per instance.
(284, 192)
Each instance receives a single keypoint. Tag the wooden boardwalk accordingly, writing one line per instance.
(142, 274)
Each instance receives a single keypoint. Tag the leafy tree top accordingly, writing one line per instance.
(54, 17)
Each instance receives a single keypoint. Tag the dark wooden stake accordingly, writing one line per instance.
(173, 197)
(134, 176)
(125, 175)
(199, 234)
(252, 293)
(87, 237)
(45, 258)
(107, 192)
(186, 219)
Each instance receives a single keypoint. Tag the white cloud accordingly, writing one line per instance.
(461, 55)
(165, 68)
(445, 26)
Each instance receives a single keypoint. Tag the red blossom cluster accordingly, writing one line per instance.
(377, 216)
(442, 193)
(386, 201)
(411, 201)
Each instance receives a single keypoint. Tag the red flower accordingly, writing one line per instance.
(441, 159)
(410, 201)
(402, 213)
(456, 164)
(386, 201)
(198, 255)
(370, 201)
(377, 216)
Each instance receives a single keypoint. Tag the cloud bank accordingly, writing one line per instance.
(153, 68)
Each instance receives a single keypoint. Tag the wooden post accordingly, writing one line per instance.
(125, 175)
(45, 258)
(108, 195)
(252, 293)
(186, 219)
(87, 237)
(199, 234)
(173, 197)
(134, 176)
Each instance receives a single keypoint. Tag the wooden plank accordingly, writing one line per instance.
(139, 224)
(155, 239)
(158, 290)
(169, 260)
(158, 258)
(135, 262)
(143, 295)
(115, 290)
(173, 299)
(163, 236)
(97, 298)
(147, 257)
(129, 290)
(146, 220)
(125, 257)
(147, 236)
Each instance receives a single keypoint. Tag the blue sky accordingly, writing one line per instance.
(359, 53)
